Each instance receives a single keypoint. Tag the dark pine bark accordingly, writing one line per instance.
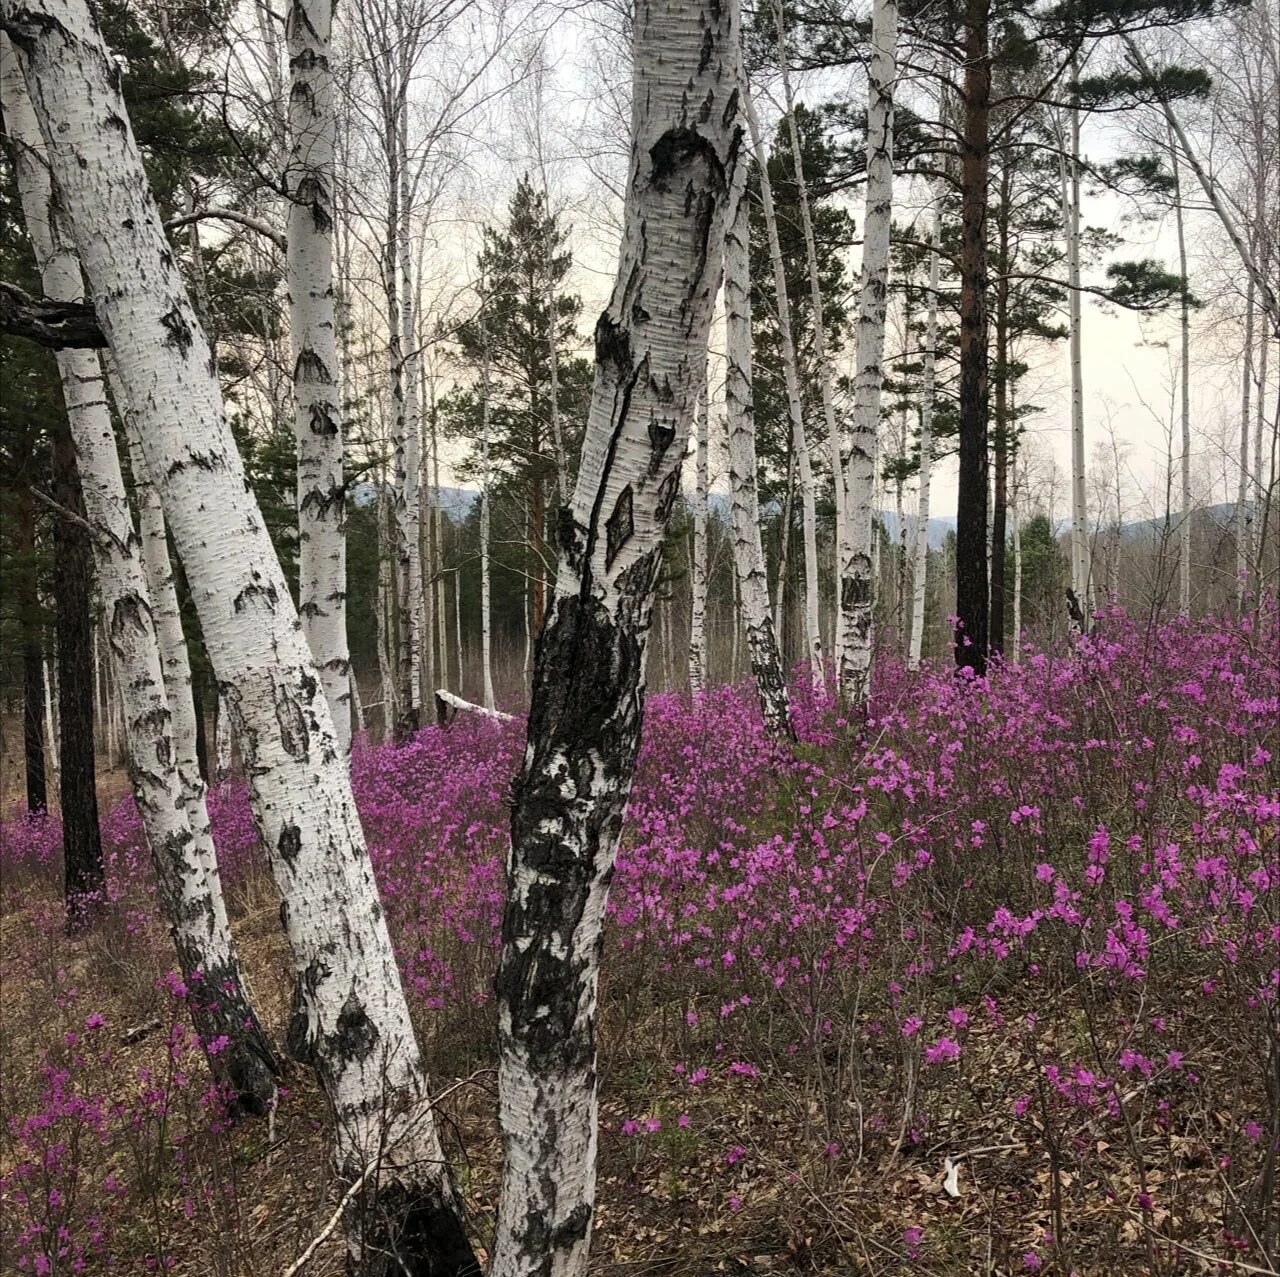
(32, 655)
(971, 506)
(72, 560)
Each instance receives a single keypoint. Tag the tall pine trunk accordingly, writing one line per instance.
(354, 1021)
(588, 688)
(77, 775)
(971, 501)
(309, 183)
(857, 578)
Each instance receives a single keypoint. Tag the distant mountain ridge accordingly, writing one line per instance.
(457, 504)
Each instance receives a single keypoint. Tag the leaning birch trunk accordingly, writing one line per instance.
(308, 183)
(353, 1016)
(1015, 516)
(1184, 380)
(750, 575)
(835, 449)
(927, 395)
(588, 689)
(791, 377)
(411, 564)
(857, 578)
(1069, 177)
(698, 610)
(1267, 298)
(186, 871)
(1244, 548)
(486, 625)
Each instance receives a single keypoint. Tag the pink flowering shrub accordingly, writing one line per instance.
(1036, 912)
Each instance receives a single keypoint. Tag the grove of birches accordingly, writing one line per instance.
(640, 638)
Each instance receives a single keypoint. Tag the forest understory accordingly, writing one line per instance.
(983, 984)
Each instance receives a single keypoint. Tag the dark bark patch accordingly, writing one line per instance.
(620, 526)
(415, 1229)
(255, 589)
(355, 1036)
(661, 436)
(289, 844)
(676, 151)
(180, 335)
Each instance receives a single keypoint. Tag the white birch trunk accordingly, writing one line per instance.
(411, 506)
(791, 378)
(354, 1020)
(835, 448)
(750, 575)
(186, 871)
(486, 628)
(1069, 176)
(50, 723)
(386, 614)
(857, 577)
(928, 391)
(698, 608)
(588, 690)
(309, 187)
(1184, 399)
(1015, 515)
(223, 744)
(1244, 524)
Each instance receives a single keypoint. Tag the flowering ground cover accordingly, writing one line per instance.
(986, 982)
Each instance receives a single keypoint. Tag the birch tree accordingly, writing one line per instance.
(1069, 175)
(352, 1019)
(857, 599)
(186, 870)
(698, 609)
(928, 391)
(309, 186)
(795, 410)
(750, 575)
(588, 689)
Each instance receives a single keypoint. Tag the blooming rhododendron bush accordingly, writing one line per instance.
(985, 982)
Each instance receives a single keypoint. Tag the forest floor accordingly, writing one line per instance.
(987, 984)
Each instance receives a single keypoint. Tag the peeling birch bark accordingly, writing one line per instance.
(353, 1021)
(168, 803)
(857, 571)
(588, 689)
(309, 186)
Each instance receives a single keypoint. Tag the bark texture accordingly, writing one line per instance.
(353, 1020)
(750, 574)
(927, 394)
(588, 690)
(309, 184)
(188, 881)
(971, 499)
(795, 409)
(698, 609)
(857, 577)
